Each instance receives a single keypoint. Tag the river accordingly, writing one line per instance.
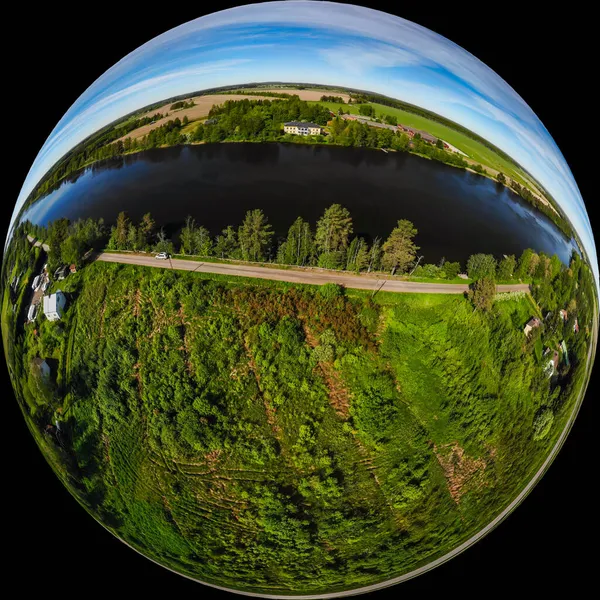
(456, 213)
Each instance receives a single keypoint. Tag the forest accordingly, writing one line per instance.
(283, 438)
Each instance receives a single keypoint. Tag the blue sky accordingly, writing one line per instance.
(328, 43)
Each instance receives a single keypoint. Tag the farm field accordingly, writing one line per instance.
(286, 438)
(204, 103)
(472, 148)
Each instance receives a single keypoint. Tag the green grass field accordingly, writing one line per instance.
(472, 148)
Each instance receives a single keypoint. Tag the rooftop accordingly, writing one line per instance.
(301, 124)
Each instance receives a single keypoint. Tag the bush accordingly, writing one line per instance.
(482, 293)
(542, 423)
(452, 269)
(430, 271)
(481, 265)
(331, 290)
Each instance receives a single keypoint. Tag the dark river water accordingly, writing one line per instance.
(455, 212)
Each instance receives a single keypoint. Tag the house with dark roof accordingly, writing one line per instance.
(411, 131)
(302, 128)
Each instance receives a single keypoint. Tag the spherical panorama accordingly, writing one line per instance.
(299, 299)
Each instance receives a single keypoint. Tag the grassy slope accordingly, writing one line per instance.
(472, 148)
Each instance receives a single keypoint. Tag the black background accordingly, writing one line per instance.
(56, 52)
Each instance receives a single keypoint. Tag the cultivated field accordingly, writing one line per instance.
(203, 104)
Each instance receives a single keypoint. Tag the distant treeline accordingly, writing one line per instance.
(337, 99)
(363, 98)
(265, 94)
(182, 104)
(100, 148)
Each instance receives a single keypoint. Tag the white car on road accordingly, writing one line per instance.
(162, 256)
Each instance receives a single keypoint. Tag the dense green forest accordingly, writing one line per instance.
(281, 438)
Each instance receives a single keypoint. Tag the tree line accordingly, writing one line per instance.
(182, 104)
(336, 99)
(100, 148)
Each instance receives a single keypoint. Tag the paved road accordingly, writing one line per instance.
(316, 277)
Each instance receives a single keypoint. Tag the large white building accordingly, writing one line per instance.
(54, 306)
(301, 128)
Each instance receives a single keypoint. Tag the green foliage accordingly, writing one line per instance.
(333, 229)
(399, 250)
(331, 290)
(506, 268)
(482, 293)
(542, 423)
(430, 271)
(182, 104)
(296, 438)
(254, 235)
(451, 269)
(298, 248)
(481, 265)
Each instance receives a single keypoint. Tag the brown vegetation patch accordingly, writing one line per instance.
(338, 394)
(461, 471)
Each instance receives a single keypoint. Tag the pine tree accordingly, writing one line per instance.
(333, 229)
(254, 235)
(399, 249)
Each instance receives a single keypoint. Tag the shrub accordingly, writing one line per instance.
(542, 423)
(331, 290)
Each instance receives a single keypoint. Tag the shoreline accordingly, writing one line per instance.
(313, 144)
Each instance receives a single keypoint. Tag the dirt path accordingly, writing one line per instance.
(306, 276)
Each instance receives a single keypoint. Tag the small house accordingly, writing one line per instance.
(54, 306)
(531, 324)
(563, 314)
(41, 366)
(73, 269)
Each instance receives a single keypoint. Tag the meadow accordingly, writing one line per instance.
(472, 148)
